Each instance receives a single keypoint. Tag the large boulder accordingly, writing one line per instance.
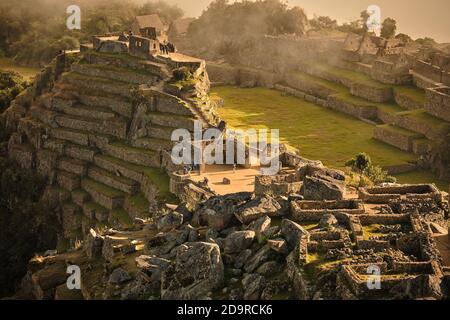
(321, 187)
(293, 233)
(197, 270)
(258, 208)
(253, 285)
(152, 266)
(328, 221)
(238, 241)
(119, 276)
(259, 227)
(218, 212)
(170, 221)
(262, 255)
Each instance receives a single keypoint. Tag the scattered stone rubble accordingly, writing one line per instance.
(313, 250)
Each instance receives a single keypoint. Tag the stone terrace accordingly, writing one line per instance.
(98, 131)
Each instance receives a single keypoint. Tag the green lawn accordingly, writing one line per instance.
(319, 133)
(9, 65)
(350, 75)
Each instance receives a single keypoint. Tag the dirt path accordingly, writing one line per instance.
(243, 180)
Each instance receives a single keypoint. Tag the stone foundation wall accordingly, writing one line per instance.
(387, 194)
(406, 102)
(386, 219)
(427, 70)
(334, 102)
(394, 138)
(438, 102)
(372, 93)
(120, 75)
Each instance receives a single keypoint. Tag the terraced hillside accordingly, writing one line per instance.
(396, 114)
(99, 125)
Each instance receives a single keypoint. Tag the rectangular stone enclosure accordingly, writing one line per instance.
(314, 210)
(379, 195)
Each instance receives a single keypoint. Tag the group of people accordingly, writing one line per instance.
(166, 47)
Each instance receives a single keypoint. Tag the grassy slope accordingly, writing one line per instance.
(8, 65)
(319, 133)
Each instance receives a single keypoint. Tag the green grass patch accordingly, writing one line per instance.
(103, 189)
(371, 231)
(422, 176)
(93, 206)
(319, 133)
(413, 93)
(28, 73)
(399, 131)
(139, 201)
(338, 88)
(350, 75)
(121, 216)
(422, 116)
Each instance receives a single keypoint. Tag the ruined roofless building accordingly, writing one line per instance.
(150, 21)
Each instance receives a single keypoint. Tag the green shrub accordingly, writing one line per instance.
(11, 84)
(368, 173)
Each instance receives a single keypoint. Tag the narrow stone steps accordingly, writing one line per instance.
(94, 211)
(152, 144)
(81, 110)
(75, 166)
(80, 152)
(67, 180)
(159, 132)
(114, 165)
(97, 98)
(133, 155)
(171, 121)
(74, 136)
(396, 136)
(140, 65)
(113, 127)
(114, 180)
(114, 73)
(82, 82)
(104, 195)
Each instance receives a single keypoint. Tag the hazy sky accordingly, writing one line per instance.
(418, 18)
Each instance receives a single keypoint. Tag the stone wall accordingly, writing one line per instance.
(362, 112)
(277, 185)
(427, 70)
(393, 137)
(406, 102)
(438, 102)
(372, 93)
(314, 210)
(387, 194)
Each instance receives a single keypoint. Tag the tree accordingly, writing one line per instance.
(388, 28)
(364, 18)
(295, 21)
(11, 84)
(403, 37)
(428, 42)
(323, 23)
(362, 165)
